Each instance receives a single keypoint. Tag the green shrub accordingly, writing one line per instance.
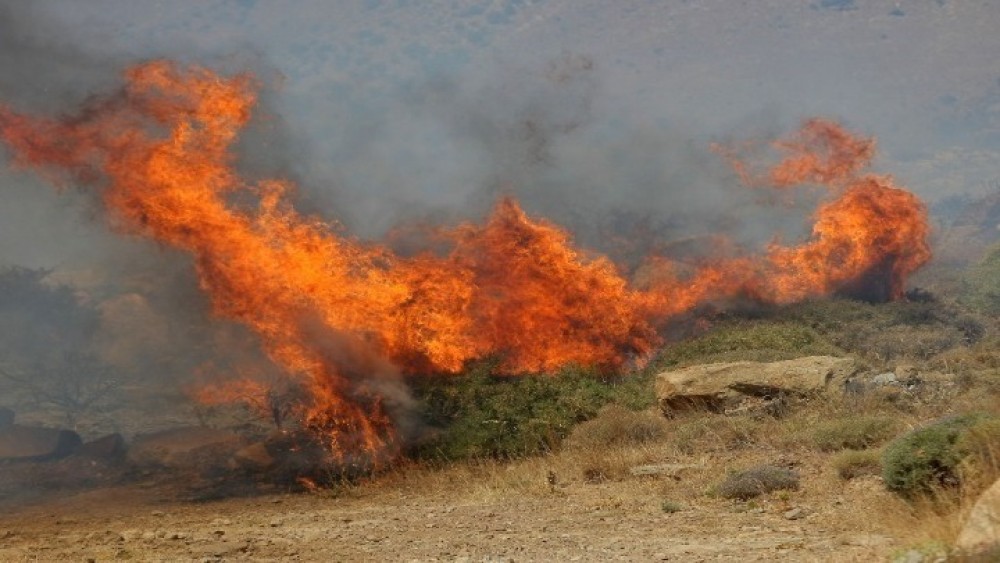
(851, 464)
(856, 433)
(616, 425)
(756, 481)
(756, 340)
(928, 457)
(479, 414)
(671, 507)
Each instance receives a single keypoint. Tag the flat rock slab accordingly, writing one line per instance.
(183, 447)
(27, 443)
(724, 385)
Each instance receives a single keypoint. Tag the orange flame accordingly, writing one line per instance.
(327, 307)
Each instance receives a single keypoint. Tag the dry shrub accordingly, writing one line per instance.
(618, 426)
(706, 432)
(756, 481)
(852, 464)
(853, 433)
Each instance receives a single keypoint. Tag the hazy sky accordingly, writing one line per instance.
(385, 107)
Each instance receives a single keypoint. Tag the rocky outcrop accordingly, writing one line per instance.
(982, 529)
(729, 386)
(27, 443)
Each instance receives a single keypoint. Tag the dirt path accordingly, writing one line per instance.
(573, 522)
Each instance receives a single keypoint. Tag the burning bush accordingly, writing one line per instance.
(340, 316)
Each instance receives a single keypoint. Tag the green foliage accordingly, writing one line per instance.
(914, 329)
(851, 464)
(479, 414)
(756, 481)
(758, 340)
(928, 457)
(853, 433)
(671, 507)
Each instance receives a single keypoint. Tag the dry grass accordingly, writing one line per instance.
(852, 464)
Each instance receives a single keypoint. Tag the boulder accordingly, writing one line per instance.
(6, 417)
(108, 447)
(725, 386)
(982, 529)
(253, 457)
(28, 443)
(184, 447)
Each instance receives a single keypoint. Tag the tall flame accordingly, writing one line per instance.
(328, 308)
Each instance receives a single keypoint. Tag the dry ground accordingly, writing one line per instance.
(488, 511)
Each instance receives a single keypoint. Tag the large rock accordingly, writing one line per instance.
(27, 443)
(188, 446)
(723, 386)
(982, 529)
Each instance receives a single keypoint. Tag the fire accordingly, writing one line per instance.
(336, 314)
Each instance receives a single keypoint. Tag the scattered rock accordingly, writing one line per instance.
(723, 386)
(27, 443)
(982, 529)
(111, 446)
(220, 548)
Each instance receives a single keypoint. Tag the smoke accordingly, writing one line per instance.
(437, 151)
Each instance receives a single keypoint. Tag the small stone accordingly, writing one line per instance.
(157, 513)
(148, 536)
(794, 514)
(275, 523)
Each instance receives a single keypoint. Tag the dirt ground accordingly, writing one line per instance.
(494, 512)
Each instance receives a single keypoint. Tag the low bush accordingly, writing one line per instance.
(853, 433)
(928, 458)
(616, 425)
(851, 464)
(708, 433)
(753, 482)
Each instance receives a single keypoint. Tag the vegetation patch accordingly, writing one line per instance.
(755, 340)
(853, 433)
(756, 481)
(928, 458)
(617, 426)
(851, 464)
(480, 414)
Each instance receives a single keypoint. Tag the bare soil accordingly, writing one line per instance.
(492, 511)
